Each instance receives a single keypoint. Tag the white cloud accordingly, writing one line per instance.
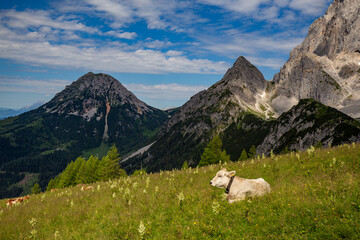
(310, 7)
(104, 58)
(51, 86)
(125, 35)
(241, 6)
(40, 18)
(170, 91)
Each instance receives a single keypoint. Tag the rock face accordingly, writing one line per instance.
(326, 65)
(94, 111)
(307, 124)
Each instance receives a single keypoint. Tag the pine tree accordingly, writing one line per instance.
(243, 156)
(109, 167)
(252, 152)
(69, 176)
(213, 153)
(185, 165)
(36, 189)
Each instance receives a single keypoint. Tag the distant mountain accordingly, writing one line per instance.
(96, 110)
(10, 112)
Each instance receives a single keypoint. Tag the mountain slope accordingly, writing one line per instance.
(304, 125)
(326, 65)
(96, 109)
(207, 113)
(313, 196)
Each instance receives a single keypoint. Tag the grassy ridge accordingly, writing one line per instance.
(315, 194)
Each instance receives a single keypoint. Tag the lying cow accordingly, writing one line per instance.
(239, 188)
(13, 201)
(85, 188)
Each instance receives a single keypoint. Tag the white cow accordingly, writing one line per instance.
(239, 188)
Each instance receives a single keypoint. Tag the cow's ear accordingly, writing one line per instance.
(232, 173)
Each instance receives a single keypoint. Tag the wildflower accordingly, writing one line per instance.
(147, 182)
(252, 161)
(215, 207)
(272, 153)
(264, 165)
(298, 156)
(156, 189)
(144, 191)
(57, 234)
(224, 196)
(354, 145)
(311, 151)
(181, 196)
(32, 222)
(98, 187)
(72, 203)
(263, 156)
(33, 233)
(42, 197)
(127, 192)
(141, 229)
(194, 223)
(135, 184)
(114, 195)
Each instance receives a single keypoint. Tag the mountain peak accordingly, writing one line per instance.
(93, 91)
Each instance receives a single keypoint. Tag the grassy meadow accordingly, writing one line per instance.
(315, 195)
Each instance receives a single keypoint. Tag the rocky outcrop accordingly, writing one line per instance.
(307, 124)
(326, 65)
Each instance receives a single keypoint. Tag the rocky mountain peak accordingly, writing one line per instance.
(326, 65)
(92, 91)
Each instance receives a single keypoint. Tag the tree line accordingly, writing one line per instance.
(214, 153)
(82, 171)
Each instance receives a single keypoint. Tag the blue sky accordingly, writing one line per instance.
(164, 51)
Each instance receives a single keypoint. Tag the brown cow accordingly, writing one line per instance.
(85, 188)
(13, 201)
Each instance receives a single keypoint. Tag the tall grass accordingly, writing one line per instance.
(315, 195)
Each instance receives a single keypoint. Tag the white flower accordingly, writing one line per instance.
(181, 196)
(141, 228)
(56, 234)
(147, 182)
(32, 222)
(215, 207)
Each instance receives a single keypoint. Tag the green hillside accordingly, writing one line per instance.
(315, 195)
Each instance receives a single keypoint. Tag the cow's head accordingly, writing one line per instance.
(222, 178)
